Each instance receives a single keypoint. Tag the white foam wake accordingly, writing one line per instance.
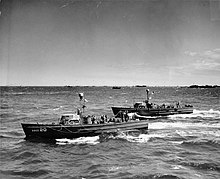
(199, 113)
(169, 125)
(199, 133)
(81, 140)
(205, 113)
(142, 138)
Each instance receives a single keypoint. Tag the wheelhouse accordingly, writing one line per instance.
(69, 119)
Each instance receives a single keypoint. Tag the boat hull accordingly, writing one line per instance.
(52, 131)
(153, 112)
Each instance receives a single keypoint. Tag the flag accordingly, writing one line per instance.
(81, 96)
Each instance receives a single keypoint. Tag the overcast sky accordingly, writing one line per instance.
(109, 42)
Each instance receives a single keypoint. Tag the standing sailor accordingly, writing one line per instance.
(148, 105)
(83, 100)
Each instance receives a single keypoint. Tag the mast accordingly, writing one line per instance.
(147, 97)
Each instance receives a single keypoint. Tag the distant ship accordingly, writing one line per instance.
(116, 87)
(148, 109)
(67, 86)
(140, 86)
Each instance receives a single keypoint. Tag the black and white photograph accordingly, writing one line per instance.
(110, 89)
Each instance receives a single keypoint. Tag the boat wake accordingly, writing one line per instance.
(142, 138)
(197, 122)
(204, 114)
(196, 137)
(182, 125)
(82, 140)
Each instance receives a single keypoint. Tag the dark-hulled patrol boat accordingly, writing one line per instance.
(74, 125)
(148, 109)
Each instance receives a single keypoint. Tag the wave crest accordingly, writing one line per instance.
(201, 142)
(202, 166)
(160, 176)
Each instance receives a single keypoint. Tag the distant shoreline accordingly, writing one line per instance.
(204, 86)
(135, 86)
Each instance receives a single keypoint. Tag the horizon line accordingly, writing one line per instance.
(140, 86)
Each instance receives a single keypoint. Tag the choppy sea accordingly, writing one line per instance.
(176, 147)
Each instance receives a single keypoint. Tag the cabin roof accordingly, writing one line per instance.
(68, 114)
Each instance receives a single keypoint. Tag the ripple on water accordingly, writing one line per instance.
(202, 166)
(208, 143)
(26, 173)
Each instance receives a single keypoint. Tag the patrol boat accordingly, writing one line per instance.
(147, 109)
(74, 125)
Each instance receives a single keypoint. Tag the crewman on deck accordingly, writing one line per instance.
(178, 104)
(89, 120)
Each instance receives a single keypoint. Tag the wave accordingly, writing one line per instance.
(213, 134)
(199, 114)
(12, 134)
(196, 138)
(26, 173)
(169, 125)
(207, 114)
(5, 106)
(202, 166)
(202, 142)
(25, 154)
(159, 176)
(58, 108)
(205, 111)
(5, 136)
(5, 116)
(142, 138)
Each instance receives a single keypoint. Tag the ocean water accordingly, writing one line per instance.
(180, 146)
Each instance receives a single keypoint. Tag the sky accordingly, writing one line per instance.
(109, 42)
